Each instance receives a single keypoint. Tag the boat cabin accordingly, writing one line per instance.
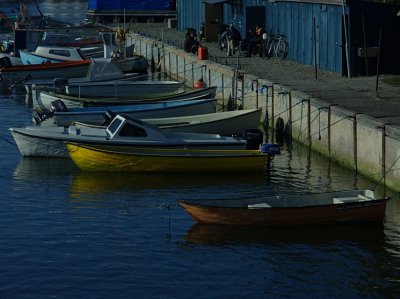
(60, 53)
(128, 127)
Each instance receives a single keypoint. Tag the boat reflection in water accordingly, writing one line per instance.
(392, 226)
(218, 235)
(102, 182)
(37, 168)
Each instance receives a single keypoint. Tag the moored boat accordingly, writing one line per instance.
(54, 54)
(48, 141)
(300, 209)
(223, 123)
(135, 146)
(124, 89)
(123, 55)
(97, 115)
(47, 97)
(183, 160)
(68, 69)
(100, 70)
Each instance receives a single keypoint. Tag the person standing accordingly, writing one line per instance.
(234, 39)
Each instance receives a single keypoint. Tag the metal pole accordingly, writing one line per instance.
(377, 61)
(365, 45)
(346, 40)
(223, 92)
(192, 75)
(315, 49)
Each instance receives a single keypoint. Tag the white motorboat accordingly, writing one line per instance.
(123, 132)
(122, 55)
(100, 70)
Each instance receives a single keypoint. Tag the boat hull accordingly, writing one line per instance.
(132, 64)
(311, 211)
(94, 116)
(45, 98)
(70, 69)
(32, 146)
(223, 123)
(166, 160)
(124, 89)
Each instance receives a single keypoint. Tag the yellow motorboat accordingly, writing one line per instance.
(102, 158)
(134, 145)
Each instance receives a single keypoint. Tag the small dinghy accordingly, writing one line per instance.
(315, 208)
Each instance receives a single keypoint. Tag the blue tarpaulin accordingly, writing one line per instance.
(141, 5)
(215, 1)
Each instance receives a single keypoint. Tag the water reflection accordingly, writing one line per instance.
(102, 182)
(37, 168)
(217, 235)
(392, 228)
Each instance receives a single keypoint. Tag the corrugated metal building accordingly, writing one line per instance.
(367, 25)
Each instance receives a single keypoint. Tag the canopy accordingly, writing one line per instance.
(103, 69)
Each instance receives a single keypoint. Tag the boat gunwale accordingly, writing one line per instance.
(368, 203)
(169, 147)
(127, 100)
(45, 66)
(94, 112)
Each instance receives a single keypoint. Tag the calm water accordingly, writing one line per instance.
(71, 234)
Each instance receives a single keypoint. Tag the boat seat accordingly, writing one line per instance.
(345, 199)
(363, 197)
(260, 205)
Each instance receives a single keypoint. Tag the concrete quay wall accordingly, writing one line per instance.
(353, 140)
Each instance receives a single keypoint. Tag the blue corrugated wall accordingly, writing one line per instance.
(293, 19)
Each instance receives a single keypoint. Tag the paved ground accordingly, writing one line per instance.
(356, 94)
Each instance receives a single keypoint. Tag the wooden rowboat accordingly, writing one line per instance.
(316, 208)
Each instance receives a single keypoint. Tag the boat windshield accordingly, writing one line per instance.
(50, 39)
(114, 125)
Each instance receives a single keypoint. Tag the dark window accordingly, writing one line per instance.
(60, 53)
(130, 130)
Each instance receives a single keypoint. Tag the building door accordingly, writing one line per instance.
(213, 14)
(255, 15)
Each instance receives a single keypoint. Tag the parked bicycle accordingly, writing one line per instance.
(275, 46)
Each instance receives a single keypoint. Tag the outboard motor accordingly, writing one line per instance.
(254, 138)
(5, 61)
(58, 106)
(39, 117)
(55, 106)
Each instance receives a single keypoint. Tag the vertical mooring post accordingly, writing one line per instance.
(315, 48)
(268, 167)
(384, 158)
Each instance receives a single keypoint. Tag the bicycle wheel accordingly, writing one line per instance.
(280, 50)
